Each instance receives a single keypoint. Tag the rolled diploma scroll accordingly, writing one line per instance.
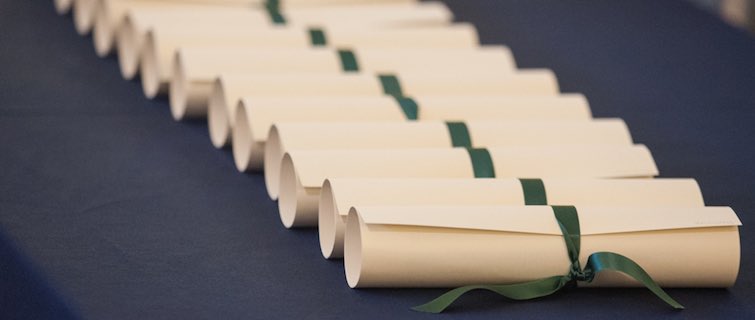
(196, 69)
(340, 194)
(87, 12)
(63, 6)
(448, 246)
(111, 13)
(255, 116)
(160, 45)
(108, 13)
(303, 172)
(132, 30)
(83, 15)
(285, 136)
(228, 89)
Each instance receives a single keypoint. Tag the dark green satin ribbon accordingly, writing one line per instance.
(348, 61)
(409, 106)
(273, 10)
(534, 192)
(459, 134)
(317, 37)
(482, 163)
(568, 221)
(391, 85)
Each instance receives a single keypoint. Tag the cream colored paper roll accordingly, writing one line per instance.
(132, 31)
(303, 172)
(229, 88)
(255, 116)
(83, 15)
(378, 14)
(340, 194)
(160, 45)
(285, 136)
(63, 6)
(445, 246)
(111, 13)
(195, 68)
(249, 141)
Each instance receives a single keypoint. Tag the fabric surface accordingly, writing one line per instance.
(111, 210)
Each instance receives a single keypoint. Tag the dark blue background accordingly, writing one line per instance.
(109, 209)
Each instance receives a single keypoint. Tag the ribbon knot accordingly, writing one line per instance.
(576, 273)
(568, 222)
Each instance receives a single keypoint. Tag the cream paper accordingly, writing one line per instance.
(303, 172)
(110, 14)
(63, 6)
(161, 44)
(132, 30)
(285, 136)
(340, 194)
(448, 246)
(196, 69)
(255, 116)
(87, 17)
(136, 22)
(83, 15)
(228, 89)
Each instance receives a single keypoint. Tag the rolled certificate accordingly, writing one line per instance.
(87, 17)
(132, 31)
(135, 24)
(83, 15)
(303, 172)
(160, 45)
(255, 117)
(196, 69)
(158, 51)
(229, 88)
(340, 194)
(447, 246)
(285, 136)
(63, 6)
(111, 13)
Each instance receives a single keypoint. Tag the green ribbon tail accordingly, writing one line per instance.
(520, 291)
(600, 261)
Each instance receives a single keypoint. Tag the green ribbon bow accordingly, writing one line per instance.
(568, 221)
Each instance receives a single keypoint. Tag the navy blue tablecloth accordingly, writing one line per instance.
(111, 210)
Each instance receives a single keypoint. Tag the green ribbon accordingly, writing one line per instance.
(459, 134)
(348, 61)
(409, 106)
(273, 10)
(482, 163)
(317, 37)
(568, 221)
(391, 85)
(534, 192)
